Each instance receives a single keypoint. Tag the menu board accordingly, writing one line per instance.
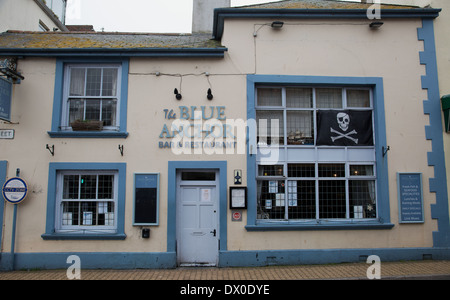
(410, 197)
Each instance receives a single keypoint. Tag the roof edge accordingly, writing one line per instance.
(220, 14)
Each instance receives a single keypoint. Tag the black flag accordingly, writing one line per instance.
(344, 128)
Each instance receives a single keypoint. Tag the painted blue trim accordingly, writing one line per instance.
(58, 100)
(433, 132)
(174, 166)
(3, 169)
(90, 260)
(54, 168)
(259, 258)
(220, 14)
(376, 83)
(119, 52)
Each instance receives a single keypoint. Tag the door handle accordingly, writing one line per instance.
(213, 232)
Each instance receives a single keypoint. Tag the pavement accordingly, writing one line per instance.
(410, 270)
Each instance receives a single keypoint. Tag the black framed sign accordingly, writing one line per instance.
(146, 199)
(238, 197)
(410, 198)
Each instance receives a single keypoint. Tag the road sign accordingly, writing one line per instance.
(15, 190)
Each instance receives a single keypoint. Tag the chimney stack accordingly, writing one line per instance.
(203, 14)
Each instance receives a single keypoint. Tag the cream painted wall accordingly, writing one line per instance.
(22, 15)
(322, 48)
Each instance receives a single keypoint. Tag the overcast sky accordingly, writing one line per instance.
(157, 16)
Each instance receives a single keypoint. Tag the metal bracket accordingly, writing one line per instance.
(121, 149)
(385, 150)
(51, 149)
(8, 68)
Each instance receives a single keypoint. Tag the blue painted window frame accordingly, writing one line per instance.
(56, 132)
(376, 83)
(54, 168)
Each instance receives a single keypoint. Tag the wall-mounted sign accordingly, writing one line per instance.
(5, 99)
(410, 197)
(15, 190)
(146, 199)
(238, 197)
(6, 134)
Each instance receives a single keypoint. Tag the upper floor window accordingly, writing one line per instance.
(90, 98)
(91, 94)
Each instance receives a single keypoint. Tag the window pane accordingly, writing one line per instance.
(299, 98)
(71, 212)
(94, 79)
(331, 170)
(362, 199)
(70, 186)
(109, 112)
(302, 199)
(76, 110)
(270, 127)
(332, 199)
(358, 98)
(198, 176)
(77, 78)
(92, 110)
(88, 213)
(271, 199)
(269, 97)
(300, 127)
(301, 170)
(361, 170)
(270, 170)
(328, 98)
(105, 186)
(88, 187)
(109, 82)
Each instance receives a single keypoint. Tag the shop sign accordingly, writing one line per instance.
(5, 99)
(410, 197)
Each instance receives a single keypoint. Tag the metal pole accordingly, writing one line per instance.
(13, 236)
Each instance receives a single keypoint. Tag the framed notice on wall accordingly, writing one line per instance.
(410, 197)
(146, 199)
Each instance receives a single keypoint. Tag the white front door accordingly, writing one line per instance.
(197, 218)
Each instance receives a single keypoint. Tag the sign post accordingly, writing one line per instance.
(14, 191)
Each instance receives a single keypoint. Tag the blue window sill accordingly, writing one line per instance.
(61, 236)
(87, 134)
(318, 226)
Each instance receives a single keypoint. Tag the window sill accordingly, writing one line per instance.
(62, 236)
(281, 226)
(87, 134)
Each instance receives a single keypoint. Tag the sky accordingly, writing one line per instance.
(156, 16)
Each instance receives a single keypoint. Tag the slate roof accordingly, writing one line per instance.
(321, 4)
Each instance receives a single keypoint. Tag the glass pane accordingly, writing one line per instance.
(270, 170)
(361, 170)
(71, 212)
(271, 199)
(299, 98)
(269, 97)
(331, 170)
(88, 187)
(358, 98)
(105, 186)
(198, 176)
(270, 127)
(76, 110)
(332, 199)
(70, 186)
(94, 79)
(362, 199)
(328, 98)
(300, 127)
(92, 110)
(77, 77)
(302, 199)
(301, 170)
(109, 109)
(109, 82)
(88, 213)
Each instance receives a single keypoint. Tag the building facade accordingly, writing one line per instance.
(297, 134)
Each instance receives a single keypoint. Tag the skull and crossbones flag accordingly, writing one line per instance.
(344, 128)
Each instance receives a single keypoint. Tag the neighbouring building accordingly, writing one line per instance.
(296, 132)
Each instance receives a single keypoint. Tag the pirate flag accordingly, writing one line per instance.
(344, 128)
